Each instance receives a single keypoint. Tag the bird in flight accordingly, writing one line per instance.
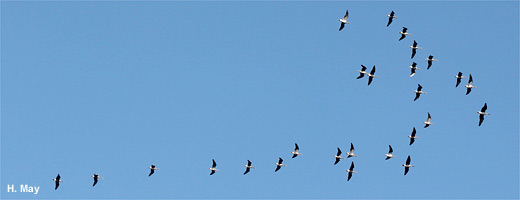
(338, 156)
(390, 17)
(430, 61)
(371, 75)
(350, 171)
(414, 48)
(343, 21)
(418, 92)
(404, 33)
(295, 152)
(248, 167)
(428, 121)
(279, 164)
(413, 137)
(351, 152)
(362, 72)
(152, 169)
(459, 77)
(213, 168)
(413, 68)
(96, 176)
(482, 112)
(389, 154)
(407, 165)
(57, 180)
(469, 85)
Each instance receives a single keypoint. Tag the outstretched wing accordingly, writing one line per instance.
(413, 52)
(481, 120)
(339, 152)
(214, 164)
(402, 37)
(247, 170)
(390, 149)
(151, 172)
(417, 95)
(277, 168)
(342, 26)
(484, 108)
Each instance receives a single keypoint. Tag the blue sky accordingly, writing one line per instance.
(111, 87)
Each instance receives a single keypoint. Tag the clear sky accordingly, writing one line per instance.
(111, 87)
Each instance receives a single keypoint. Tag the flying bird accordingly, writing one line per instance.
(295, 152)
(469, 85)
(344, 21)
(351, 152)
(248, 167)
(338, 156)
(482, 112)
(213, 168)
(362, 72)
(371, 75)
(389, 154)
(404, 33)
(413, 137)
(413, 68)
(152, 169)
(57, 180)
(414, 48)
(459, 77)
(390, 17)
(350, 171)
(427, 122)
(407, 165)
(418, 92)
(279, 164)
(430, 59)
(96, 176)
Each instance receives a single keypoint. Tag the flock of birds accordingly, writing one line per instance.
(371, 75)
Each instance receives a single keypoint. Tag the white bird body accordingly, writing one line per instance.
(419, 92)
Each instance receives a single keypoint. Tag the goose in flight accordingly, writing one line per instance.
(469, 85)
(351, 152)
(404, 33)
(279, 164)
(295, 152)
(430, 61)
(338, 156)
(57, 180)
(482, 112)
(152, 169)
(371, 75)
(413, 137)
(248, 167)
(96, 176)
(389, 154)
(459, 77)
(344, 21)
(407, 165)
(390, 18)
(362, 72)
(213, 168)
(427, 122)
(414, 48)
(350, 171)
(413, 67)
(418, 92)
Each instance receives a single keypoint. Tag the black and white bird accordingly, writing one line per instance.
(351, 152)
(371, 75)
(213, 168)
(389, 154)
(469, 85)
(414, 48)
(362, 72)
(338, 156)
(248, 167)
(57, 180)
(482, 112)
(350, 171)
(413, 68)
(407, 165)
(404, 33)
(390, 18)
(418, 92)
(279, 164)
(295, 152)
(96, 177)
(428, 121)
(459, 77)
(343, 21)
(152, 169)
(413, 137)
(430, 61)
